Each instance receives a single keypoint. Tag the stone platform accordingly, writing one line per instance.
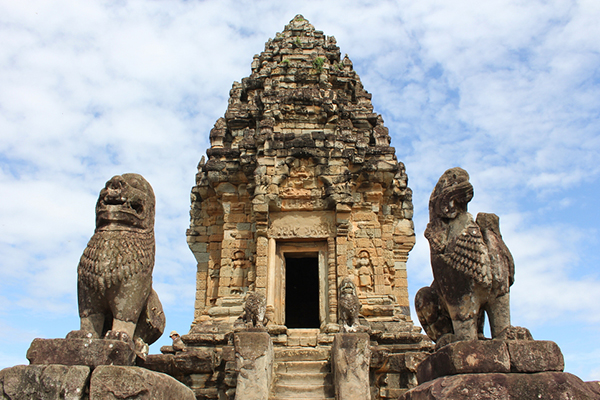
(508, 386)
(498, 370)
(89, 352)
(86, 369)
(77, 382)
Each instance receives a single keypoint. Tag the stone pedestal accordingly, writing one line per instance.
(254, 362)
(90, 352)
(47, 382)
(497, 370)
(106, 382)
(351, 357)
(86, 369)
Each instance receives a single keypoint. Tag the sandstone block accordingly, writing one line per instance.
(114, 382)
(160, 362)
(351, 358)
(465, 357)
(402, 362)
(535, 356)
(497, 386)
(44, 382)
(254, 362)
(90, 352)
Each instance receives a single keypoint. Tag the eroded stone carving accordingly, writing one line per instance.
(348, 306)
(239, 275)
(472, 267)
(116, 299)
(301, 225)
(364, 270)
(254, 310)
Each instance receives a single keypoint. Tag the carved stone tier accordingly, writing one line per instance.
(300, 190)
(79, 382)
(300, 174)
(497, 369)
(483, 356)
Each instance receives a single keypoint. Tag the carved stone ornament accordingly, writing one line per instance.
(114, 284)
(255, 309)
(297, 225)
(472, 267)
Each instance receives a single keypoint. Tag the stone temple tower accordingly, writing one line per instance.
(301, 189)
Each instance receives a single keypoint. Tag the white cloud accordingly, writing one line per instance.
(506, 89)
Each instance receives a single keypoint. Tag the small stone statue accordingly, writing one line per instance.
(254, 310)
(349, 306)
(472, 267)
(116, 299)
(178, 344)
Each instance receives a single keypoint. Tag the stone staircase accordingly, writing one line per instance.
(302, 372)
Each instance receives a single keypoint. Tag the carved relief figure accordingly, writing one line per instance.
(212, 289)
(472, 267)
(364, 269)
(389, 276)
(116, 299)
(240, 273)
(348, 306)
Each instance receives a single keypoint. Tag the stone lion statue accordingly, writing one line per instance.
(255, 310)
(116, 299)
(348, 306)
(472, 267)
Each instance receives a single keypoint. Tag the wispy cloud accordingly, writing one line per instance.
(508, 90)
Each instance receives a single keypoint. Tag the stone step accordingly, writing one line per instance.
(302, 353)
(301, 398)
(292, 333)
(307, 379)
(300, 367)
(303, 391)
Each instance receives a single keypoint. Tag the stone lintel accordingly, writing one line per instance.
(498, 386)
(90, 352)
(491, 356)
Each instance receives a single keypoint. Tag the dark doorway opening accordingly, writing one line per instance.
(301, 291)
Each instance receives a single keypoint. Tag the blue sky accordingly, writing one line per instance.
(508, 90)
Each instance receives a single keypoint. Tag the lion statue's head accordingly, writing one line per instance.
(451, 194)
(126, 203)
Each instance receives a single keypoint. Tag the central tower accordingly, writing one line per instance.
(301, 189)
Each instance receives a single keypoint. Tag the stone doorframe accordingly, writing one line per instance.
(276, 274)
(301, 232)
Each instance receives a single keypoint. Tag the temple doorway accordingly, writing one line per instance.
(302, 290)
(298, 284)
